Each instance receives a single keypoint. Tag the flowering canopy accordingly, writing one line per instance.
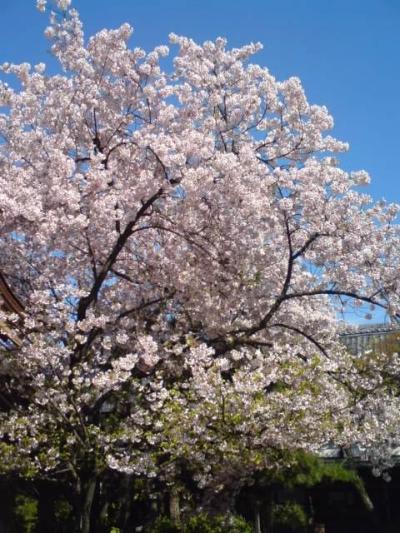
(182, 243)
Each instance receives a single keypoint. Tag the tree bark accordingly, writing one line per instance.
(126, 503)
(257, 517)
(88, 491)
(174, 508)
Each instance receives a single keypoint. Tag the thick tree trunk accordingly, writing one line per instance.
(174, 508)
(126, 503)
(88, 491)
(103, 517)
(257, 517)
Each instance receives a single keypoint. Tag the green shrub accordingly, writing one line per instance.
(62, 510)
(218, 524)
(26, 513)
(163, 524)
(290, 515)
(203, 523)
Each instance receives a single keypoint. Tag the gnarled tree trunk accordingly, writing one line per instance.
(88, 488)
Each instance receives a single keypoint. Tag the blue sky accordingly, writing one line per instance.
(346, 52)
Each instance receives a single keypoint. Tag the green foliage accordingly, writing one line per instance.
(26, 512)
(203, 523)
(307, 470)
(290, 515)
(62, 510)
(163, 524)
(219, 524)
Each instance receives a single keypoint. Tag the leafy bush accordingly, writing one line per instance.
(62, 510)
(219, 524)
(26, 512)
(290, 515)
(308, 470)
(163, 524)
(203, 523)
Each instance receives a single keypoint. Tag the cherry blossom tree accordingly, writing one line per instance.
(180, 245)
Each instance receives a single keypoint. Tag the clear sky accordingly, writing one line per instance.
(346, 52)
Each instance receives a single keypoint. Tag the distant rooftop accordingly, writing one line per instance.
(360, 338)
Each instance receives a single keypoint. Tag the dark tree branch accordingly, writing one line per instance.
(86, 301)
(143, 305)
(280, 299)
(11, 302)
(334, 292)
(303, 334)
(307, 244)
